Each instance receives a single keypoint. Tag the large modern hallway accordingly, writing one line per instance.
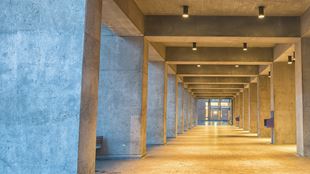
(213, 149)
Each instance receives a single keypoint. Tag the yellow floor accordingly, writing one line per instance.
(212, 150)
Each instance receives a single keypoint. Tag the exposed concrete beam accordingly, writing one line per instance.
(210, 97)
(216, 80)
(214, 95)
(264, 69)
(217, 71)
(219, 56)
(216, 86)
(282, 51)
(305, 24)
(215, 90)
(238, 26)
(123, 17)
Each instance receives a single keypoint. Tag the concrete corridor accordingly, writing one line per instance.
(213, 149)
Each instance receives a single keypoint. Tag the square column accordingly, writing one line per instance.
(241, 110)
(201, 111)
(253, 108)
(246, 109)
(302, 79)
(263, 100)
(180, 108)
(122, 95)
(171, 107)
(283, 103)
(156, 121)
(48, 85)
(236, 110)
(185, 109)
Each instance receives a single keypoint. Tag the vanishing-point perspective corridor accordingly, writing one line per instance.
(154, 86)
(216, 150)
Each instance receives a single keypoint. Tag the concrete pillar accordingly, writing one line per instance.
(122, 95)
(180, 108)
(246, 115)
(171, 107)
(302, 79)
(201, 111)
(190, 111)
(195, 116)
(253, 108)
(48, 85)
(241, 111)
(283, 103)
(156, 124)
(263, 100)
(185, 108)
(236, 110)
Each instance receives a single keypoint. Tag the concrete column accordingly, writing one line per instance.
(48, 85)
(195, 116)
(246, 115)
(253, 108)
(236, 110)
(241, 111)
(180, 108)
(185, 108)
(156, 124)
(190, 111)
(201, 111)
(171, 107)
(122, 95)
(283, 103)
(263, 100)
(302, 79)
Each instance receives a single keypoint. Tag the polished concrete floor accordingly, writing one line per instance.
(213, 149)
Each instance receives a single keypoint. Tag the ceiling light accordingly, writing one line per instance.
(194, 46)
(245, 46)
(198, 66)
(261, 12)
(237, 66)
(185, 12)
(294, 56)
(290, 60)
(269, 74)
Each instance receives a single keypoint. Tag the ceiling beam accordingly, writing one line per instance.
(217, 71)
(219, 56)
(215, 90)
(232, 26)
(216, 80)
(216, 86)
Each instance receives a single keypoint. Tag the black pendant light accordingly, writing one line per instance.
(185, 12)
(261, 12)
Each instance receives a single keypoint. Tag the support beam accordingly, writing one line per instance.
(253, 107)
(241, 110)
(215, 90)
(216, 80)
(180, 109)
(232, 26)
(219, 56)
(171, 107)
(123, 17)
(216, 86)
(246, 109)
(263, 100)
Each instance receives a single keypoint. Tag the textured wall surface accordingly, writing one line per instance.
(246, 115)
(253, 107)
(155, 108)
(241, 106)
(180, 108)
(284, 103)
(41, 48)
(120, 94)
(263, 99)
(185, 109)
(171, 108)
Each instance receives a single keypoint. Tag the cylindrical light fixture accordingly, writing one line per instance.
(194, 46)
(237, 66)
(198, 66)
(269, 74)
(185, 11)
(290, 60)
(261, 12)
(245, 46)
(294, 56)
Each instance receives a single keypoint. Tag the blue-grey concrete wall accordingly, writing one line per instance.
(180, 108)
(201, 111)
(120, 95)
(155, 109)
(171, 107)
(42, 47)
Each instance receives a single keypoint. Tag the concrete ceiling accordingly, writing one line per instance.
(224, 7)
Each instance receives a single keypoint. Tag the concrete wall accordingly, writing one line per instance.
(48, 82)
(180, 109)
(253, 108)
(246, 114)
(171, 107)
(241, 106)
(185, 108)
(283, 86)
(120, 118)
(201, 111)
(155, 111)
(263, 100)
